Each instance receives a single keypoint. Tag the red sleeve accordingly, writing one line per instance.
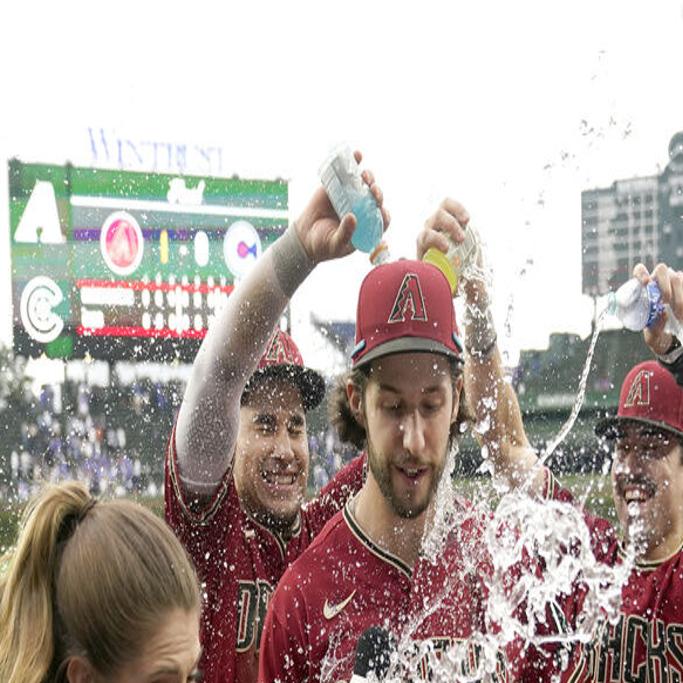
(333, 497)
(282, 657)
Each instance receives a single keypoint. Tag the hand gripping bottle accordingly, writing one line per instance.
(639, 306)
(460, 256)
(340, 176)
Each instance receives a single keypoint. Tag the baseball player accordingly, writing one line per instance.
(237, 462)
(366, 567)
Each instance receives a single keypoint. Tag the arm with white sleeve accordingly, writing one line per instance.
(208, 420)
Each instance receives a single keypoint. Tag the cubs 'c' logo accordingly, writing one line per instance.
(409, 301)
(639, 393)
(277, 353)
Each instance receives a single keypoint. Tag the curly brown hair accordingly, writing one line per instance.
(351, 431)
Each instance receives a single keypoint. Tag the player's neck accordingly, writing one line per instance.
(662, 550)
(400, 536)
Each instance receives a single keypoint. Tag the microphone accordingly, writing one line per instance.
(373, 652)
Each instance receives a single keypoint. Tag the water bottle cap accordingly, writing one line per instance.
(656, 305)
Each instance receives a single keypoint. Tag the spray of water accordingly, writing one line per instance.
(578, 403)
(547, 546)
(442, 511)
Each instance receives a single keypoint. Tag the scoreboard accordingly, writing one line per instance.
(122, 265)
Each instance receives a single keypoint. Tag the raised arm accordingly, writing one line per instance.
(500, 429)
(208, 420)
(667, 348)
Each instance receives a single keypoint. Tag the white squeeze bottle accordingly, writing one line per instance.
(639, 306)
(340, 176)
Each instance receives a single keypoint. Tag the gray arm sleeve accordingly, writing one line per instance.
(208, 420)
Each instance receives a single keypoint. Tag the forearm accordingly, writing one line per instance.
(492, 398)
(208, 419)
(671, 357)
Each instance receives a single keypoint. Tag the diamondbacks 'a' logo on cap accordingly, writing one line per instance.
(277, 353)
(639, 391)
(409, 301)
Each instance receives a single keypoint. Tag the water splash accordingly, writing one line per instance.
(442, 511)
(580, 396)
(559, 539)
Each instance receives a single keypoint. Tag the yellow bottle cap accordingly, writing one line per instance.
(440, 260)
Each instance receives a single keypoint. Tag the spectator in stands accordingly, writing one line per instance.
(97, 591)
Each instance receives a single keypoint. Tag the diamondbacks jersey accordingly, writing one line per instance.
(645, 645)
(239, 562)
(344, 584)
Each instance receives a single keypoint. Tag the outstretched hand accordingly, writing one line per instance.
(323, 235)
(670, 283)
(449, 221)
(448, 225)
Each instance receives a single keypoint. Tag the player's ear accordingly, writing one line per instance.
(457, 391)
(354, 394)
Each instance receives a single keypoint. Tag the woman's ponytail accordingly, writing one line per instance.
(27, 601)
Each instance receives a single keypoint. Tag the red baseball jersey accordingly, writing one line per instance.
(240, 561)
(344, 584)
(646, 642)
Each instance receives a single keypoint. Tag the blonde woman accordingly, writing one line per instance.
(97, 592)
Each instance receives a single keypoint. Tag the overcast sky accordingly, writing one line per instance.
(513, 108)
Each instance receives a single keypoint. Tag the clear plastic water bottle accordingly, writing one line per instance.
(639, 306)
(341, 178)
(460, 255)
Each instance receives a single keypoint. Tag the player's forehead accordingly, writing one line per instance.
(411, 372)
(274, 395)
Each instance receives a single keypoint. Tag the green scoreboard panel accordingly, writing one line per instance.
(122, 265)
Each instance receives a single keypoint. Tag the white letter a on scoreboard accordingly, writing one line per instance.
(40, 214)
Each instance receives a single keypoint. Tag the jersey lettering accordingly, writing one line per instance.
(634, 650)
(657, 670)
(469, 660)
(636, 639)
(674, 642)
(252, 604)
(610, 652)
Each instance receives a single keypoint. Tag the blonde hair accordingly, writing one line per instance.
(87, 579)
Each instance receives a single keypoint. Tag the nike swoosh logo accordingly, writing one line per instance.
(331, 611)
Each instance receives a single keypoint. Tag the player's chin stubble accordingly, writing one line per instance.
(404, 508)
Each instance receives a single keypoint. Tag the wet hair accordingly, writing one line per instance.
(351, 431)
(87, 579)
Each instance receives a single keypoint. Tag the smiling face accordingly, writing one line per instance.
(647, 483)
(407, 408)
(271, 456)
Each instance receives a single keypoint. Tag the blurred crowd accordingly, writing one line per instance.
(111, 438)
